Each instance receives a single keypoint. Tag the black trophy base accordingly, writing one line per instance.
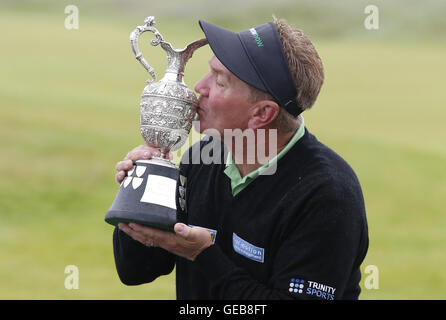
(147, 196)
(162, 220)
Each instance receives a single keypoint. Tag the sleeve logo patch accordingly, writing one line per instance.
(247, 250)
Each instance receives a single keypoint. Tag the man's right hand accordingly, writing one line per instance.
(142, 152)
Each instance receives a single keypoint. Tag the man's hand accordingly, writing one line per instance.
(142, 152)
(186, 242)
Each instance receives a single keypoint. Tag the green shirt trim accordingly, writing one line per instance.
(238, 183)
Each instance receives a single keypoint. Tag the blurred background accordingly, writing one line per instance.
(69, 110)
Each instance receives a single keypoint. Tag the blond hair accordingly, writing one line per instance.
(303, 61)
(306, 69)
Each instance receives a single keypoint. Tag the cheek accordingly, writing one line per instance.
(217, 103)
(225, 109)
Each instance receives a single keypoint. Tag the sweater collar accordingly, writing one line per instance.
(238, 183)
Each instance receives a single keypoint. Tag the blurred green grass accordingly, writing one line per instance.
(69, 110)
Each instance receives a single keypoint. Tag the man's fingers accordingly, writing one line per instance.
(138, 227)
(186, 242)
(154, 234)
(124, 165)
(122, 226)
(158, 238)
(142, 153)
(132, 233)
(120, 176)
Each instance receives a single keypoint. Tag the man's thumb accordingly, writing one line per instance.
(182, 230)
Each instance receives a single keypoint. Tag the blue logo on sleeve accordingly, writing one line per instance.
(246, 249)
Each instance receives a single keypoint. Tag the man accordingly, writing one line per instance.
(299, 232)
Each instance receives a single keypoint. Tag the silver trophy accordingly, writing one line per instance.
(147, 195)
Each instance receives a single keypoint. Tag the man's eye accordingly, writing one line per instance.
(220, 84)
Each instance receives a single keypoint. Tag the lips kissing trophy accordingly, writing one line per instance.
(148, 192)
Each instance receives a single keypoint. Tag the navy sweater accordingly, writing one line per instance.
(298, 234)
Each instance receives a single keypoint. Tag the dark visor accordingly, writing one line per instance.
(256, 57)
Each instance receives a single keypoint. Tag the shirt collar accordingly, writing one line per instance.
(238, 183)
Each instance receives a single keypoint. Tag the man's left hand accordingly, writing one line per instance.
(187, 242)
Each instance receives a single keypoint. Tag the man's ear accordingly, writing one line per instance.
(263, 113)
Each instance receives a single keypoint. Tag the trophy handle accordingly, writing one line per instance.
(134, 36)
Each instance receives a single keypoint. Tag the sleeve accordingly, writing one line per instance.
(315, 256)
(136, 263)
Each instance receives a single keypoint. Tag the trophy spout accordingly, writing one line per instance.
(177, 59)
(187, 52)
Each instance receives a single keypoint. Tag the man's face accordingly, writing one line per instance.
(224, 99)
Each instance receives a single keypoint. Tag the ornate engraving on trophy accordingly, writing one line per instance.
(167, 105)
(167, 109)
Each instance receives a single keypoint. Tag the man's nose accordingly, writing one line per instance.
(202, 87)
